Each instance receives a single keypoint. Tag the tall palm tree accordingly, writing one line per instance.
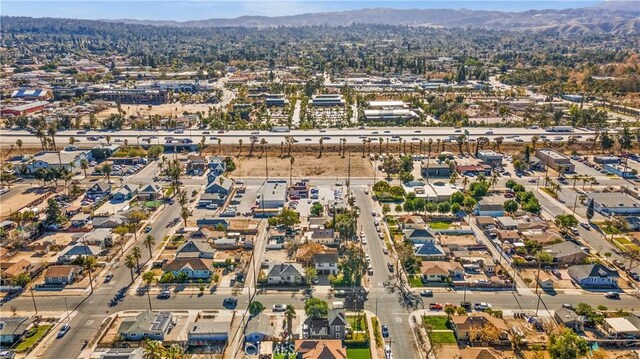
(153, 349)
(84, 165)
(239, 147)
(290, 312)
(465, 182)
(493, 181)
(184, 213)
(320, 142)
(40, 135)
(380, 145)
(149, 242)
(364, 146)
(137, 254)
(534, 141)
(108, 138)
(291, 161)
(174, 352)
(106, 170)
(52, 132)
(19, 143)
(130, 262)
(72, 140)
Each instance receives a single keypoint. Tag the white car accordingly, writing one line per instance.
(279, 307)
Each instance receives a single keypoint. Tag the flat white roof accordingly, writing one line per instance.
(621, 325)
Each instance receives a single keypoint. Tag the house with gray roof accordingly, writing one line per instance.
(221, 185)
(285, 273)
(334, 326)
(100, 237)
(194, 268)
(125, 193)
(569, 318)
(112, 221)
(326, 263)
(150, 192)
(76, 250)
(100, 189)
(259, 328)
(430, 251)
(489, 209)
(196, 248)
(146, 325)
(566, 252)
(594, 275)
(419, 235)
(123, 353)
(13, 328)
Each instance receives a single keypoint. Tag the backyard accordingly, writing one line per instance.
(435, 322)
(357, 323)
(440, 225)
(415, 281)
(364, 353)
(444, 337)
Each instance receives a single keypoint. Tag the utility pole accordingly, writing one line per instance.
(537, 284)
(349, 176)
(149, 297)
(67, 307)
(34, 301)
(88, 268)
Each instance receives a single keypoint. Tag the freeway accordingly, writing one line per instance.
(329, 136)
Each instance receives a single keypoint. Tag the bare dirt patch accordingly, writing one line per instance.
(305, 165)
(167, 109)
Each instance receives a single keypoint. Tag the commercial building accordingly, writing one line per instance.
(433, 169)
(275, 100)
(614, 203)
(171, 85)
(620, 170)
(492, 158)
(62, 159)
(273, 194)
(25, 108)
(31, 94)
(132, 96)
(390, 115)
(327, 100)
(555, 160)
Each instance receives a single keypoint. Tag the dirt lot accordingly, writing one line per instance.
(18, 197)
(167, 109)
(329, 165)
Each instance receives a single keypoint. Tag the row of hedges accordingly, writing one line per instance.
(356, 344)
(376, 331)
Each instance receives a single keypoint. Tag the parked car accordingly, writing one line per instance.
(426, 293)
(435, 306)
(385, 331)
(279, 307)
(481, 306)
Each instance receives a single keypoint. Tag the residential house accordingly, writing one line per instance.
(419, 235)
(125, 193)
(204, 332)
(123, 353)
(508, 236)
(489, 209)
(285, 273)
(75, 250)
(259, 328)
(594, 275)
(625, 327)
(10, 270)
(463, 326)
(566, 252)
(196, 248)
(220, 185)
(411, 222)
(480, 353)
(146, 325)
(150, 192)
(99, 237)
(14, 328)
(196, 163)
(69, 160)
(569, 318)
(326, 263)
(320, 349)
(507, 223)
(62, 274)
(485, 221)
(430, 252)
(332, 327)
(100, 189)
(217, 165)
(112, 221)
(326, 236)
(438, 271)
(194, 268)
(80, 219)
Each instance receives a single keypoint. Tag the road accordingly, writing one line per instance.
(92, 310)
(331, 136)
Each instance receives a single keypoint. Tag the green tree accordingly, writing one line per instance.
(316, 308)
(130, 262)
(565, 221)
(54, 213)
(317, 210)
(510, 206)
(255, 308)
(566, 344)
(137, 254)
(353, 264)
(22, 279)
(287, 218)
(386, 209)
(310, 274)
(444, 207)
(290, 313)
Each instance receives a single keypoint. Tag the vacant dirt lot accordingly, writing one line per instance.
(306, 165)
(18, 197)
(167, 109)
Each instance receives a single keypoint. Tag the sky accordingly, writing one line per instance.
(199, 10)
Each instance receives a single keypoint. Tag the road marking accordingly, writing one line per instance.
(89, 322)
(398, 320)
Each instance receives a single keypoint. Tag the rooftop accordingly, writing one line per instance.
(614, 199)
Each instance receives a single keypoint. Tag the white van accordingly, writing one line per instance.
(338, 305)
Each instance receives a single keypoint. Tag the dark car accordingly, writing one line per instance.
(426, 293)
(612, 295)
(108, 277)
(230, 302)
(147, 229)
(165, 294)
(385, 331)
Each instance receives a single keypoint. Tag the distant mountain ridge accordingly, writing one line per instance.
(614, 17)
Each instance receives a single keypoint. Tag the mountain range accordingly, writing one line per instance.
(614, 17)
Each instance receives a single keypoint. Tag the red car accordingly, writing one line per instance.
(435, 306)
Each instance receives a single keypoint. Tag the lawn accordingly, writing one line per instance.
(358, 353)
(415, 281)
(622, 240)
(357, 323)
(443, 337)
(440, 225)
(29, 342)
(436, 322)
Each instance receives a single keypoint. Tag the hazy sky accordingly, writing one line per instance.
(197, 10)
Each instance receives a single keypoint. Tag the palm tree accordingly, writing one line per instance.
(184, 213)
(106, 169)
(137, 254)
(84, 164)
(465, 182)
(454, 178)
(534, 141)
(149, 242)
(498, 141)
(130, 262)
(320, 142)
(41, 136)
(153, 349)
(19, 143)
(291, 161)
(364, 145)
(493, 181)
(52, 132)
(290, 312)
(174, 352)
(380, 145)
(239, 147)
(108, 138)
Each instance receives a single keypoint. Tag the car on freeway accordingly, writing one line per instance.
(65, 328)
(426, 293)
(279, 307)
(385, 331)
